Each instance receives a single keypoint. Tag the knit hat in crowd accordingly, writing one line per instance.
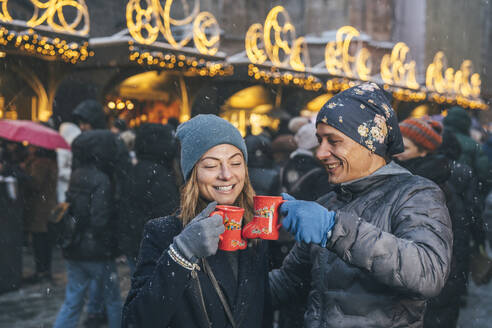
(203, 132)
(423, 132)
(306, 137)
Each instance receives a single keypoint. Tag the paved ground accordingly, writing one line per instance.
(36, 306)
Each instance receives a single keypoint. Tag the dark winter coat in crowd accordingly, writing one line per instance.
(443, 310)
(263, 176)
(304, 177)
(163, 294)
(487, 215)
(390, 250)
(150, 190)
(458, 122)
(487, 148)
(90, 194)
(40, 189)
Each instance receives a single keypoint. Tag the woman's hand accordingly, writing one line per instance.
(200, 238)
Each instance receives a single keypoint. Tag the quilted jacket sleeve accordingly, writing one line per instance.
(415, 256)
(292, 280)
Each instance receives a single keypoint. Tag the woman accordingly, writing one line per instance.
(170, 287)
(42, 172)
(428, 154)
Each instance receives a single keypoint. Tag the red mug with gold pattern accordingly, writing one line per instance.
(232, 217)
(265, 221)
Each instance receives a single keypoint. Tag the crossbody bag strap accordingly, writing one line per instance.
(223, 300)
(194, 275)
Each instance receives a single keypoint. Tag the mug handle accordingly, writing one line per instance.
(280, 203)
(222, 215)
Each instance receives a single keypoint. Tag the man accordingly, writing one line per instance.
(371, 252)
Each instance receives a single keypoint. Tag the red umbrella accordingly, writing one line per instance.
(32, 132)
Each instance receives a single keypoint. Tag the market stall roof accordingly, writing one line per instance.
(122, 50)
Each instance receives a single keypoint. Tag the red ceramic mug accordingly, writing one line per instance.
(265, 221)
(232, 217)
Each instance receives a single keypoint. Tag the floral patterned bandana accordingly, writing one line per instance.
(364, 114)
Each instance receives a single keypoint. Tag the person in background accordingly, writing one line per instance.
(118, 126)
(41, 197)
(296, 123)
(69, 132)
(89, 115)
(172, 286)
(426, 155)
(303, 175)
(458, 122)
(282, 146)
(372, 251)
(128, 138)
(150, 191)
(264, 178)
(91, 258)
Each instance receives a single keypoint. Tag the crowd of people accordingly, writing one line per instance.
(380, 218)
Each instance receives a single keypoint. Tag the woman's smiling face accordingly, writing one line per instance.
(220, 173)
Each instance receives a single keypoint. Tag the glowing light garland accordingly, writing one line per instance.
(442, 79)
(274, 76)
(146, 21)
(338, 60)
(277, 42)
(181, 62)
(396, 70)
(51, 12)
(33, 43)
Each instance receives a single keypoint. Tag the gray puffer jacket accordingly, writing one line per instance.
(389, 251)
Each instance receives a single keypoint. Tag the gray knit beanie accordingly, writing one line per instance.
(203, 132)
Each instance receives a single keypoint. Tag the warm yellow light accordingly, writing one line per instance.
(111, 105)
(130, 106)
(120, 105)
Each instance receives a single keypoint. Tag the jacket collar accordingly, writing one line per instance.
(359, 185)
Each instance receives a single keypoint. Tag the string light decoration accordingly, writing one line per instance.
(33, 43)
(184, 63)
(146, 18)
(461, 86)
(339, 61)
(397, 70)
(70, 45)
(275, 76)
(277, 42)
(52, 12)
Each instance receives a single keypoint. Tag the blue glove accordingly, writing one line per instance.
(307, 221)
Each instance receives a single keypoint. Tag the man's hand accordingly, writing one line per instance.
(307, 221)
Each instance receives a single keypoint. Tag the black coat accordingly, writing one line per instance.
(150, 192)
(163, 294)
(150, 188)
(90, 194)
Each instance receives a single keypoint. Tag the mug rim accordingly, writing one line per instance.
(230, 208)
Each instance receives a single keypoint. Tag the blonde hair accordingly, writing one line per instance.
(192, 204)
